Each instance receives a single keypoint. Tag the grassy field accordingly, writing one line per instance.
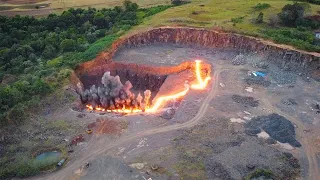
(102, 3)
(213, 13)
(59, 5)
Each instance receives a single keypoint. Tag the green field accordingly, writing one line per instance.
(218, 13)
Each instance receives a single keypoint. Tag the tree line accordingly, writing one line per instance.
(35, 50)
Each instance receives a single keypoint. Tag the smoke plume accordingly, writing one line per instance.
(114, 95)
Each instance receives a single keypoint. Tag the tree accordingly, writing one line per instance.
(99, 20)
(291, 13)
(68, 45)
(176, 2)
(130, 6)
(49, 52)
(259, 18)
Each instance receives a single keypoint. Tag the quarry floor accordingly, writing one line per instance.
(206, 137)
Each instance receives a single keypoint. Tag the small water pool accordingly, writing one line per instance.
(48, 156)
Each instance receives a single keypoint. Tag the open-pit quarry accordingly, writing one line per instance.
(187, 103)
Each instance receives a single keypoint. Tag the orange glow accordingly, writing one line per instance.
(123, 110)
(161, 101)
(201, 83)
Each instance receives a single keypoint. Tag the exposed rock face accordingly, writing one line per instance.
(285, 56)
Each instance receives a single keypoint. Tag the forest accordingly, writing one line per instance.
(37, 54)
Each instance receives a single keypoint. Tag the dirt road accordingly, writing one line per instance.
(97, 148)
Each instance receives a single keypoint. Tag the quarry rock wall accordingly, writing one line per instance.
(284, 56)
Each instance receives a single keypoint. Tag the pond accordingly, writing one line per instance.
(48, 156)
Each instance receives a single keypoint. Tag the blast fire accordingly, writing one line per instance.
(116, 97)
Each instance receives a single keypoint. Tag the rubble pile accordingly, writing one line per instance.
(239, 60)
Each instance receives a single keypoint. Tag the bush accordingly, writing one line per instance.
(68, 45)
(311, 22)
(177, 2)
(261, 6)
(259, 18)
(260, 172)
(300, 39)
(291, 13)
(154, 10)
(56, 62)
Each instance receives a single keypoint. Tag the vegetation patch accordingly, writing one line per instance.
(237, 19)
(261, 6)
(40, 52)
(260, 173)
(302, 39)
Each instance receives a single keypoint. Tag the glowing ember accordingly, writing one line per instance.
(161, 101)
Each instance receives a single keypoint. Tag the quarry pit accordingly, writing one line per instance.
(237, 124)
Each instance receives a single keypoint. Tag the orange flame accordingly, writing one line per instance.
(160, 101)
(201, 84)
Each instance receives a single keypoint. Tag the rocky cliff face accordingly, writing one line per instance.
(289, 59)
(284, 56)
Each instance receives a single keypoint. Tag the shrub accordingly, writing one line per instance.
(260, 172)
(68, 45)
(178, 2)
(291, 13)
(301, 39)
(259, 18)
(261, 6)
(56, 62)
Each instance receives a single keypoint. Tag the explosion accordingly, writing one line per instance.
(113, 96)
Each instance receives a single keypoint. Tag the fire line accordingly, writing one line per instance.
(160, 102)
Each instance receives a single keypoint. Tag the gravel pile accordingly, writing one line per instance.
(278, 127)
(262, 65)
(246, 100)
(257, 80)
(282, 77)
(239, 60)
